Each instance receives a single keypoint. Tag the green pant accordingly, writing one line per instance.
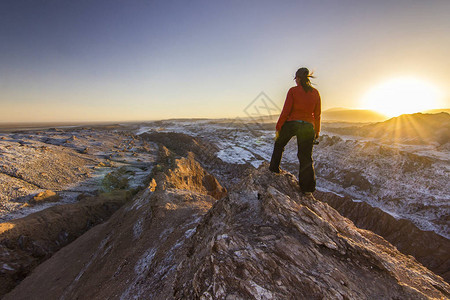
(304, 131)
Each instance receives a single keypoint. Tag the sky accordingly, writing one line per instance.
(113, 60)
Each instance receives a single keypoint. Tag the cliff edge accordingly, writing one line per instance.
(186, 237)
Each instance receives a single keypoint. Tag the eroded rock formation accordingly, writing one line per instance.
(429, 248)
(265, 242)
(184, 238)
(27, 242)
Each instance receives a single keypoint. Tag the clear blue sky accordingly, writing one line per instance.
(135, 60)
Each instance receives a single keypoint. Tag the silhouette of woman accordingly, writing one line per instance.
(300, 117)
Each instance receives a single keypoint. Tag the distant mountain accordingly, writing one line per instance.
(411, 128)
(352, 115)
(436, 111)
(336, 109)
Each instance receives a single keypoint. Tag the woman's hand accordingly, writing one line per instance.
(277, 134)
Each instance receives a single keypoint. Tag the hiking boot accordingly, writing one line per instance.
(274, 170)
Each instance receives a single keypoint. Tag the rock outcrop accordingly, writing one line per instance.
(412, 185)
(45, 196)
(429, 248)
(184, 238)
(205, 153)
(266, 242)
(27, 242)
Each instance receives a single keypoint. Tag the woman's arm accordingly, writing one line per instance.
(317, 113)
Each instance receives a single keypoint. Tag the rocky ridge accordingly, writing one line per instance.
(429, 248)
(405, 184)
(28, 241)
(185, 237)
(407, 181)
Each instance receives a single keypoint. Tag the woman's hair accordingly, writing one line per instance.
(304, 76)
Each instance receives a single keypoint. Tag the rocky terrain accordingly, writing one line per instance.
(55, 184)
(68, 162)
(27, 242)
(186, 237)
(407, 181)
(429, 248)
(406, 184)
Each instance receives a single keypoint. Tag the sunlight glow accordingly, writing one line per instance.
(402, 96)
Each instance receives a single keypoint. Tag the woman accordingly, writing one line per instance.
(301, 118)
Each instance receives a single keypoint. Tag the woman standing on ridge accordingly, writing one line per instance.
(300, 117)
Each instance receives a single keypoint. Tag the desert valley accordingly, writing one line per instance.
(69, 191)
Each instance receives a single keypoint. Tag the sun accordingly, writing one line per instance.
(401, 96)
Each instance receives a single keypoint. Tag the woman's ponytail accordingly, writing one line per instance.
(304, 76)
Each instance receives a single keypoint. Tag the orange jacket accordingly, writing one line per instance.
(301, 106)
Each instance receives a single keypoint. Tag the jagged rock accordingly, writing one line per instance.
(198, 180)
(153, 228)
(181, 144)
(261, 241)
(204, 151)
(266, 242)
(26, 242)
(46, 196)
(429, 248)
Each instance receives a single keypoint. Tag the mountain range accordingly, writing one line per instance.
(352, 115)
(341, 114)
(416, 128)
